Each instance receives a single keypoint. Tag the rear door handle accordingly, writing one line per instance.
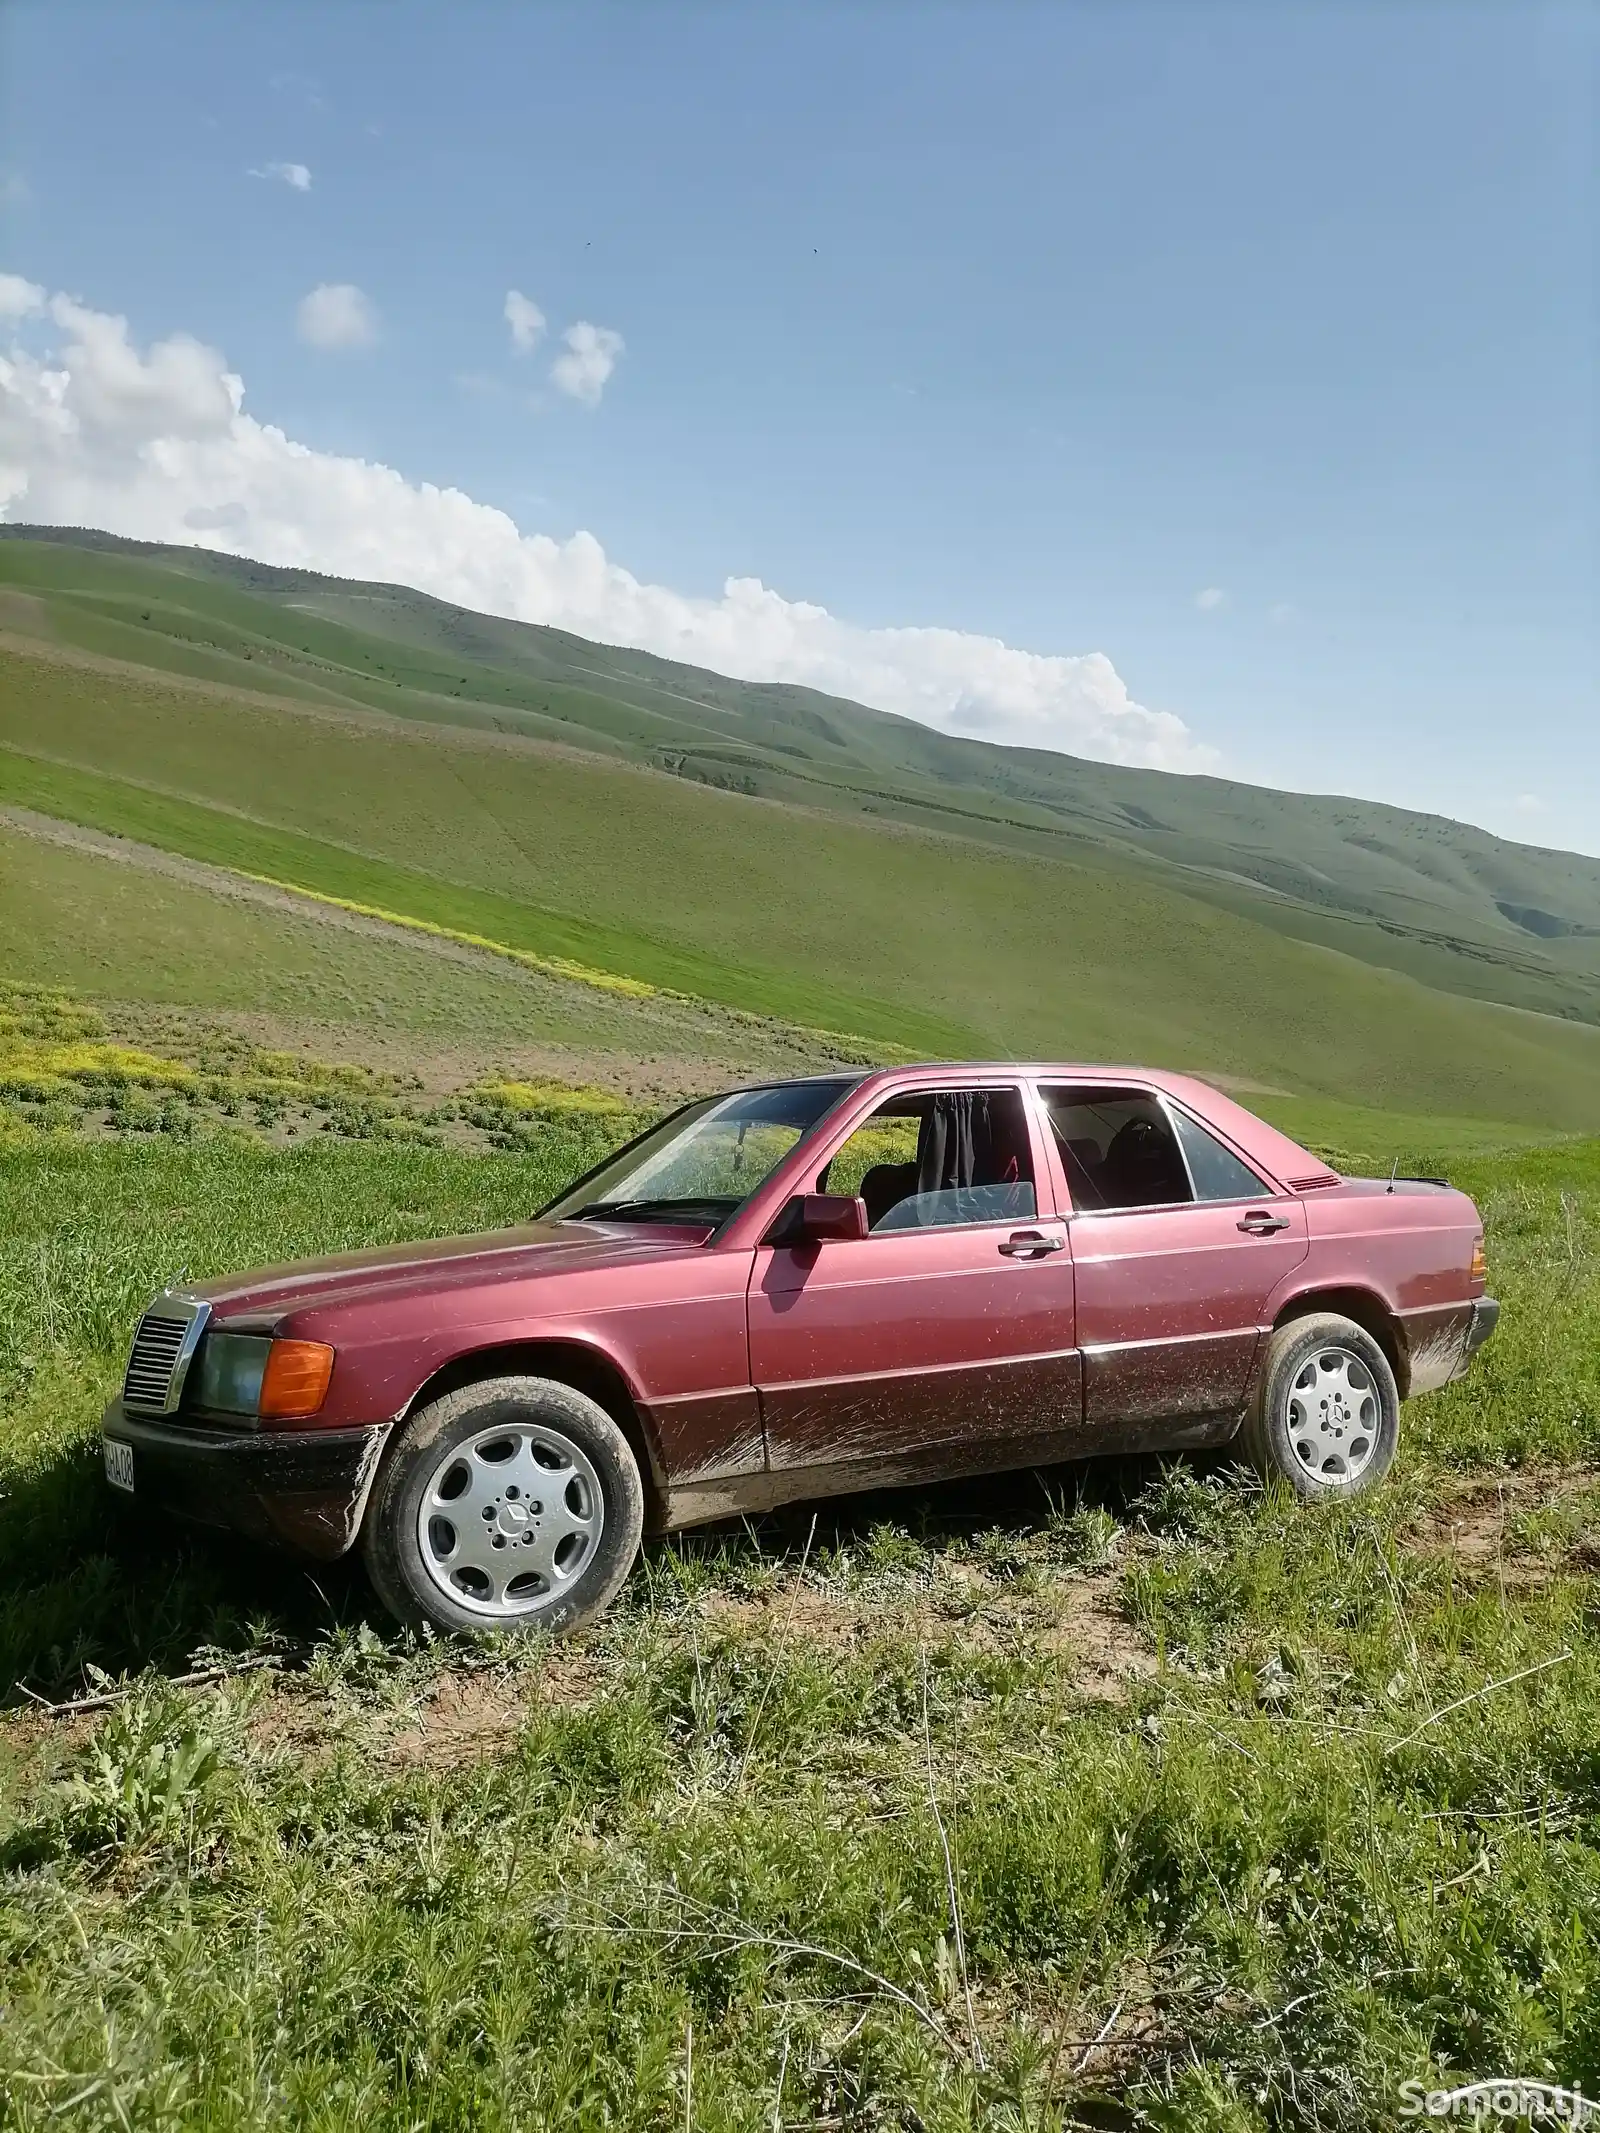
(1258, 1223)
(1032, 1244)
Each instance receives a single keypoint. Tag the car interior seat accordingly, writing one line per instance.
(1143, 1167)
(884, 1186)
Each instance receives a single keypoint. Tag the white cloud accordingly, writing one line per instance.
(526, 321)
(294, 175)
(1212, 596)
(1529, 803)
(591, 357)
(155, 443)
(336, 314)
(19, 298)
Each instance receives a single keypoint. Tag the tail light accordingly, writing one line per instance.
(295, 1381)
(1479, 1269)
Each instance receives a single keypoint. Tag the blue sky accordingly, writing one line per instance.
(1038, 323)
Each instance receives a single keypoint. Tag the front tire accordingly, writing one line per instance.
(512, 1504)
(1325, 1414)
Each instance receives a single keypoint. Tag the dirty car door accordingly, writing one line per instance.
(1177, 1247)
(943, 1337)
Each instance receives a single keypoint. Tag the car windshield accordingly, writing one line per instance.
(704, 1164)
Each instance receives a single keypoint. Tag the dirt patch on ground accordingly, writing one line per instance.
(1491, 1525)
(466, 1716)
(27, 612)
(1074, 1618)
(292, 1719)
(461, 1715)
(476, 1712)
(30, 1732)
(1106, 1653)
(1472, 1530)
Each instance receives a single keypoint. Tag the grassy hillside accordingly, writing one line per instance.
(1119, 1795)
(1464, 911)
(894, 935)
(296, 973)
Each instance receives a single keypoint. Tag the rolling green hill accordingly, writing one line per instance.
(126, 932)
(1463, 911)
(891, 934)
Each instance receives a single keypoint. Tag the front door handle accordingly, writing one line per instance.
(1032, 1244)
(1258, 1223)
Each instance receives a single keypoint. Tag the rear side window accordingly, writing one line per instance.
(1217, 1172)
(1118, 1149)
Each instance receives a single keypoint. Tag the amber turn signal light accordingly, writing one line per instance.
(1479, 1270)
(295, 1381)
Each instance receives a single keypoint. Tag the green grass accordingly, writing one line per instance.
(691, 1868)
(1358, 1137)
(900, 937)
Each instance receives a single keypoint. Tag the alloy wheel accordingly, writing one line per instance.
(508, 1519)
(1333, 1414)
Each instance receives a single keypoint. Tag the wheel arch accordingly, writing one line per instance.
(586, 1369)
(1364, 1308)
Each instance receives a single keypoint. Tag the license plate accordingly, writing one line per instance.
(119, 1463)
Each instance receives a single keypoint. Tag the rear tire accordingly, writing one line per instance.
(1325, 1413)
(512, 1504)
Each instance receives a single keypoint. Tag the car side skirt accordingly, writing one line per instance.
(698, 1503)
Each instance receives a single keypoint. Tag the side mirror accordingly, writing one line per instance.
(820, 1218)
(828, 1215)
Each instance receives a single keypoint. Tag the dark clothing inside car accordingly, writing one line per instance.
(973, 1165)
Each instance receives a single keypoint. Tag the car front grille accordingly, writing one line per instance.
(163, 1348)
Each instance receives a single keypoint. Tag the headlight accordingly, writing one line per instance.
(248, 1374)
(227, 1372)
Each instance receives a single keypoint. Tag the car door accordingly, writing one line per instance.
(1177, 1247)
(942, 1339)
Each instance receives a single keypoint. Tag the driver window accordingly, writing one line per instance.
(939, 1160)
(1117, 1149)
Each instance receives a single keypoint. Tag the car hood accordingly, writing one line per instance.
(438, 1263)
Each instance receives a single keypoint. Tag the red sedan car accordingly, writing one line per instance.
(797, 1290)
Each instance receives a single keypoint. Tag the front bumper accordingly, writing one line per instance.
(300, 1489)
